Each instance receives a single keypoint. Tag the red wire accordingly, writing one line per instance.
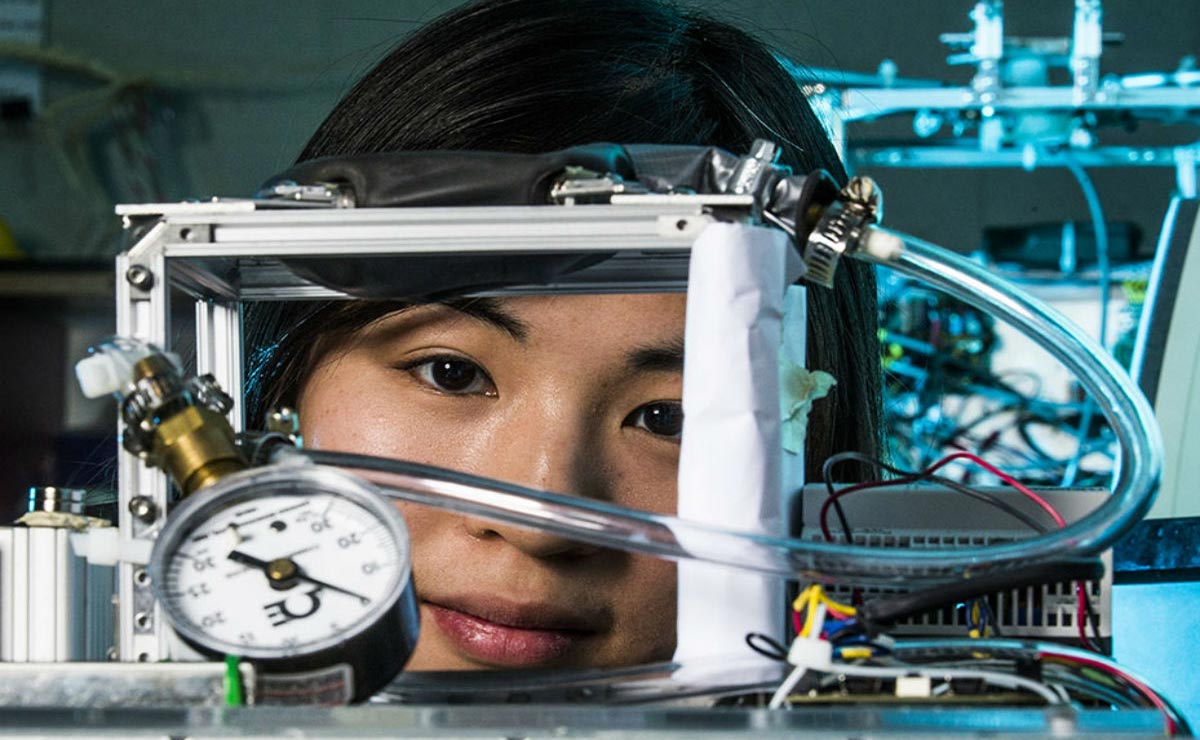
(824, 514)
(1002, 476)
(1080, 595)
(1112, 670)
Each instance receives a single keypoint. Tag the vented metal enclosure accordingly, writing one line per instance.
(930, 517)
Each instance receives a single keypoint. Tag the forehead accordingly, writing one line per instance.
(642, 331)
(637, 315)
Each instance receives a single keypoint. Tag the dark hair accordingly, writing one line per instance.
(541, 75)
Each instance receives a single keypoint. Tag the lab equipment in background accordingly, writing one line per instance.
(1009, 115)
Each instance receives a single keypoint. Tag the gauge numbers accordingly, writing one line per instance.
(282, 574)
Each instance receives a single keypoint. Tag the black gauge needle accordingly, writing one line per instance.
(264, 565)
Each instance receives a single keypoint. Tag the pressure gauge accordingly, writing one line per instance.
(306, 572)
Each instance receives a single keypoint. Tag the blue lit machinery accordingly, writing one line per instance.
(1009, 115)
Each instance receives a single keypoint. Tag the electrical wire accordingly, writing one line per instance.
(911, 477)
(1173, 720)
(785, 689)
(1100, 229)
(1083, 605)
(994, 678)
(1025, 491)
(813, 604)
(935, 652)
(766, 646)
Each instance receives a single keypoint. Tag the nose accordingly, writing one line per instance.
(550, 452)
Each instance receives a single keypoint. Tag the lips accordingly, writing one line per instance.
(511, 635)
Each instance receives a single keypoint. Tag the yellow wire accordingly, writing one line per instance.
(807, 594)
(799, 602)
(846, 609)
(807, 602)
(814, 598)
(804, 596)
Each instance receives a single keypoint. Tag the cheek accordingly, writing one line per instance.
(645, 481)
(430, 531)
(645, 607)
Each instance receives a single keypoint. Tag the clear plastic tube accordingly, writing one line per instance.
(1139, 464)
(1124, 407)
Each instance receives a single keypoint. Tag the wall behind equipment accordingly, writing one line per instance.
(172, 99)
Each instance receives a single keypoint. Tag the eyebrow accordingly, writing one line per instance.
(490, 311)
(665, 357)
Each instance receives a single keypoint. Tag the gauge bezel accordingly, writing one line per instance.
(255, 483)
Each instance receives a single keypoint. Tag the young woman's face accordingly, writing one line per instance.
(570, 394)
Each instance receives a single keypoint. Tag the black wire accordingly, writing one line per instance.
(954, 485)
(827, 476)
(889, 609)
(993, 623)
(773, 650)
(1022, 426)
(1091, 620)
(965, 427)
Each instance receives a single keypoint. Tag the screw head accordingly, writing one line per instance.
(143, 509)
(140, 277)
(284, 420)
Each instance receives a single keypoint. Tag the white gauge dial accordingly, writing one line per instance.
(283, 572)
(283, 563)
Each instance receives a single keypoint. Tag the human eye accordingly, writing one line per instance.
(660, 418)
(451, 375)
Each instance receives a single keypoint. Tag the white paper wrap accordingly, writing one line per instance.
(731, 471)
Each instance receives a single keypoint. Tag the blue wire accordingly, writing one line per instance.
(1100, 228)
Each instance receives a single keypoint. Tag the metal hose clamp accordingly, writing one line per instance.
(841, 228)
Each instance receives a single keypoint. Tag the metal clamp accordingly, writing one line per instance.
(841, 227)
(757, 172)
(579, 185)
(329, 194)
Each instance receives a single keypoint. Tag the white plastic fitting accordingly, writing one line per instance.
(881, 245)
(100, 375)
(815, 655)
(103, 546)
